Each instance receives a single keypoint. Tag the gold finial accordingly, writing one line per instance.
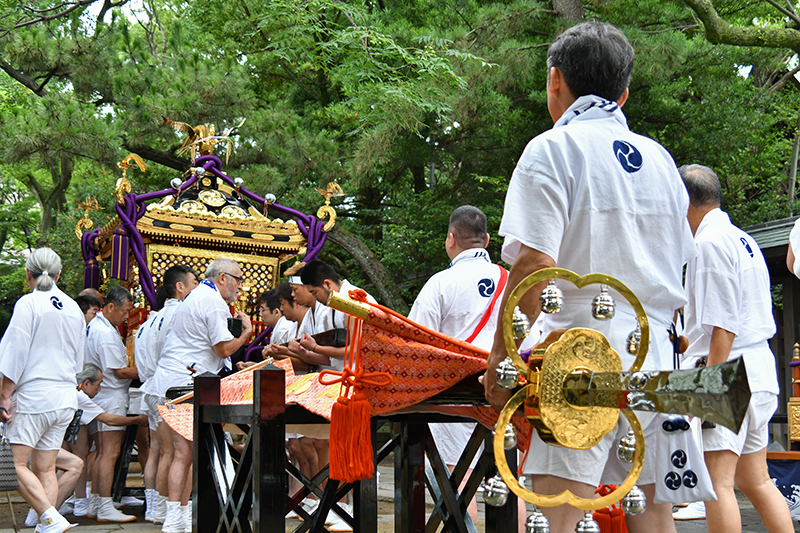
(123, 186)
(295, 268)
(125, 164)
(86, 223)
(332, 190)
(201, 139)
(796, 352)
(326, 210)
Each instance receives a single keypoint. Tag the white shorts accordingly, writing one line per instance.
(113, 405)
(135, 401)
(598, 463)
(40, 431)
(754, 433)
(153, 416)
(451, 439)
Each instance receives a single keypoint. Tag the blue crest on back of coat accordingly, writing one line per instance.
(628, 156)
(486, 287)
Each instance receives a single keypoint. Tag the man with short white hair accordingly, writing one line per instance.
(198, 342)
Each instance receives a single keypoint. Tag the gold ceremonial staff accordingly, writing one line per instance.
(574, 386)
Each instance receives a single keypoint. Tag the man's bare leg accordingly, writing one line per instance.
(181, 465)
(81, 449)
(37, 485)
(107, 452)
(151, 467)
(563, 518)
(751, 476)
(71, 467)
(143, 446)
(165, 454)
(655, 519)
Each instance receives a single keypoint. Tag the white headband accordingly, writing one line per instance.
(296, 280)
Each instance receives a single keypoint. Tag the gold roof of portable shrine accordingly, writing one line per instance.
(208, 216)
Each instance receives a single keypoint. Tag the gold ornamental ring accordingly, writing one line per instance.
(566, 497)
(580, 282)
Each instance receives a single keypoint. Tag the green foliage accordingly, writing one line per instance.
(370, 94)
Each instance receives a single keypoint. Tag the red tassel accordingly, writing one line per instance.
(610, 519)
(351, 455)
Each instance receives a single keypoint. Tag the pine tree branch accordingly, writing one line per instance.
(69, 7)
(784, 79)
(38, 89)
(719, 31)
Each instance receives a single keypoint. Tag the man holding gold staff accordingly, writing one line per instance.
(591, 196)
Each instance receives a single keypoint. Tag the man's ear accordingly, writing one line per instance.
(555, 81)
(624, 98)
(450, 241)
(329, 286)
(486, 244)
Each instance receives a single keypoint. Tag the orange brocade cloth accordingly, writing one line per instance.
(421, 362)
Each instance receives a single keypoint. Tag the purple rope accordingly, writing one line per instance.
(257, 345)
(137, 245)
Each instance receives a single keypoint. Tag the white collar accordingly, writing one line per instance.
(472, 254)
(715, 216)
(591, 107)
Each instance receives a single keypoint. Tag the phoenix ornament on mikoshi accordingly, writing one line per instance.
(201, 139)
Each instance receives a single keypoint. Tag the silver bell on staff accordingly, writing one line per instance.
(176, 183)
(626, 447)
(507, 374)
(551, 299)
(634, 502)
(522, 325)
(587, 525)
(509, 437)
(495, 492)
(603, 306)
(537, 522)
(200, 172)
(634, 340)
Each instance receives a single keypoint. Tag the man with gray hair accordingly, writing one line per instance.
(729, 315)
(89, 379)
(106, 350)
(198, 342)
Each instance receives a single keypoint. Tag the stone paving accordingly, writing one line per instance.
(750, 520)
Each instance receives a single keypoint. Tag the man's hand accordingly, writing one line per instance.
(6, 390)
(141, 420)
(241, 365)
(298, 348)
(496, 395)
(5, 406)
(247, 326)
(308, 342)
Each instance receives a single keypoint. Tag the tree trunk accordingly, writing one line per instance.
(569, 9)
(793, 167)
(386, 290)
